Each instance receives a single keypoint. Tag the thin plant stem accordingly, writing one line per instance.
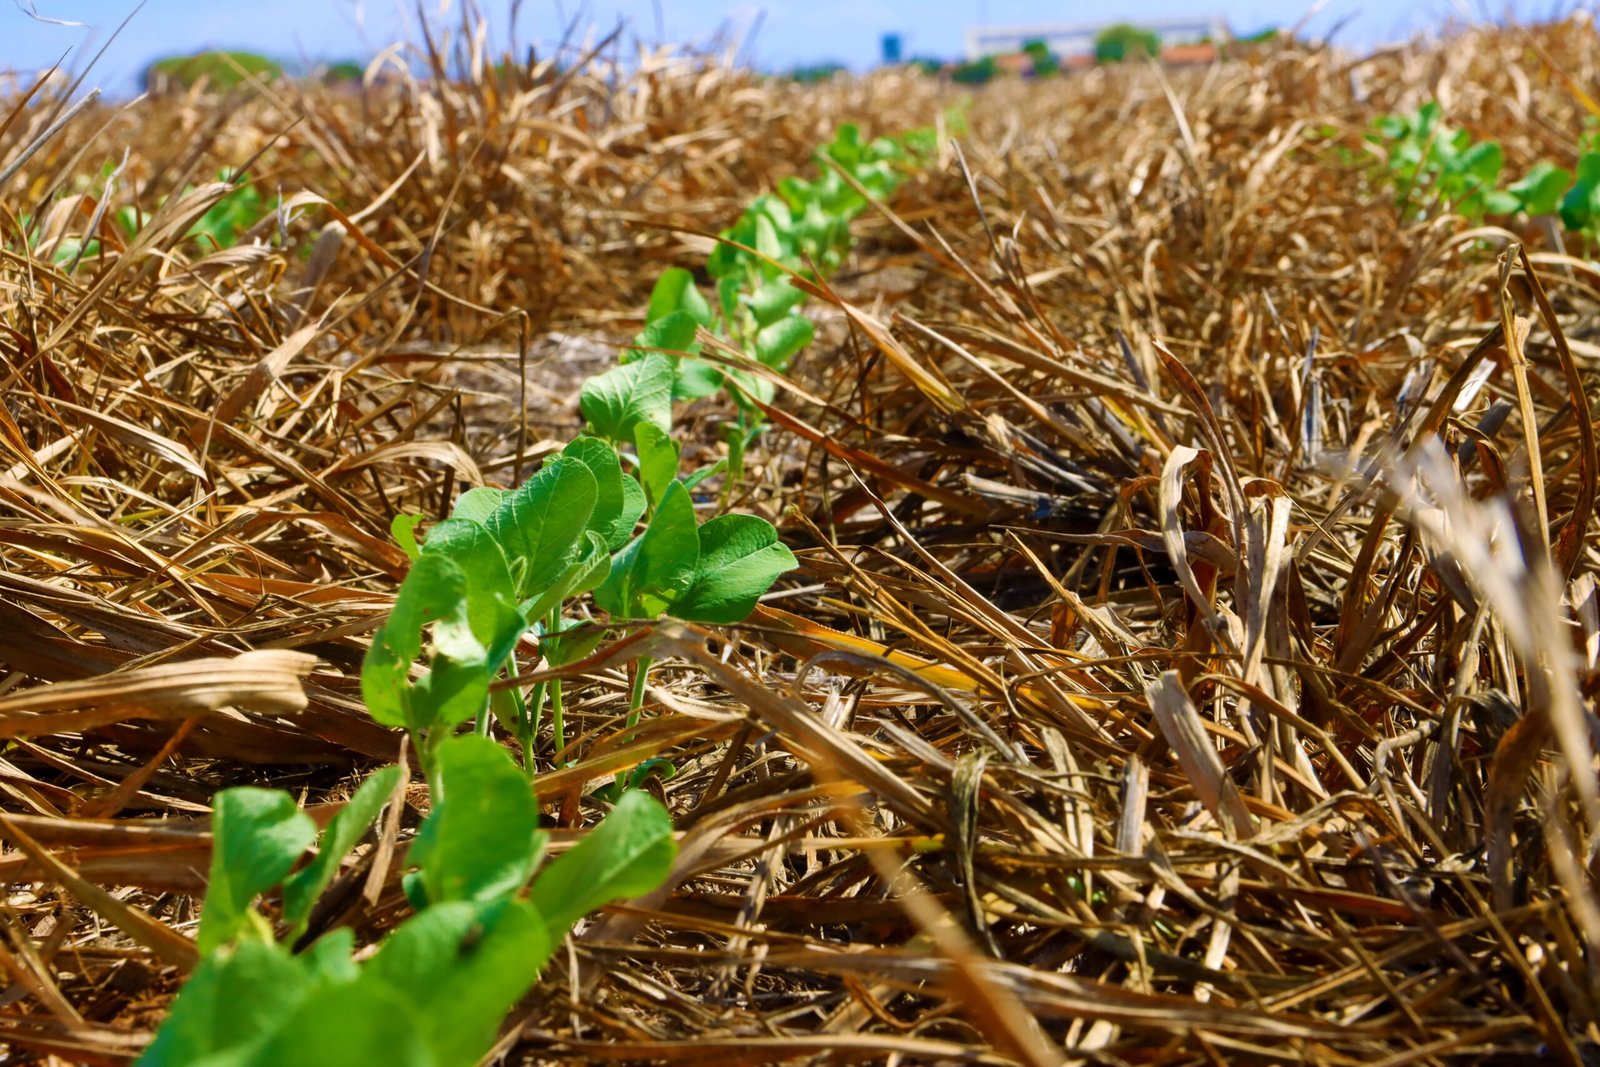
(532, 713)
(641, 671)
(557, 720)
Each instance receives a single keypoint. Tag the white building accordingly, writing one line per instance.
(1077, 38)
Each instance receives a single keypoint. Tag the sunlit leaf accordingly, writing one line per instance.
(482, 838)
(740, 558)
(629, 853)
(257, 834)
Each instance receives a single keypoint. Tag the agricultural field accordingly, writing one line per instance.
(631, 560)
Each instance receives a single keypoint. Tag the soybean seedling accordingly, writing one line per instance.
(434, 992)
(502, 564)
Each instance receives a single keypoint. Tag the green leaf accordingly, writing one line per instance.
(607, 518)
(257, 834)
(1541, 189)
(817, 229)
(694, 479)
(727, 261)
(659, 566)
(614, 402)
(1589, 168)
(477, 504)
(797, 192)
(460, 967)
(658, 460)
(886, 148)
(328, 961)
(634, 505)
(745, 387)
(358, 1022)
(1391, 127)
(403, 529)
(740, 558)
(233, 1000)
(386, 682)
(571, 645)
(1500, 202)
(628, 854)
(777, 210)
(482, 840)
(1483, 161)
(879, 179)
(301, 889)
(675, 291)
(696, 378)
(589, 568)
(541, 523)
(1577, 206)
(776, 344)
(768, 243)
(490, 608)
(456, 687)
(1428, 116)
(774, 300)
(593, 566)
(729, 291)
(434, 588)
(669, 550)
(674, 332)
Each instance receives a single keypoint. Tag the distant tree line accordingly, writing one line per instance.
(230, 69)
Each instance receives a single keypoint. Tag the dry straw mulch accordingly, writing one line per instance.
(1188, 665)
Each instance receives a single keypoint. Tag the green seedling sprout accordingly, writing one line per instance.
(435, 991)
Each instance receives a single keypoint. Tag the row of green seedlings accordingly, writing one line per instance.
(801, 231)
(504, 564)
(1432, 167)
(437, 988)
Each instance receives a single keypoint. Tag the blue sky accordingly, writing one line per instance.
(788, 33)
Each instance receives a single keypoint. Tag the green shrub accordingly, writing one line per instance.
(222, 70)
(816, 72)
(1044, 61)
(344, 71)
(975, 73)
(1116, 43)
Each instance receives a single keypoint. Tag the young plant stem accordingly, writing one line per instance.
(557, 721)
(512, 711)
(529, 732)
(641, 671)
